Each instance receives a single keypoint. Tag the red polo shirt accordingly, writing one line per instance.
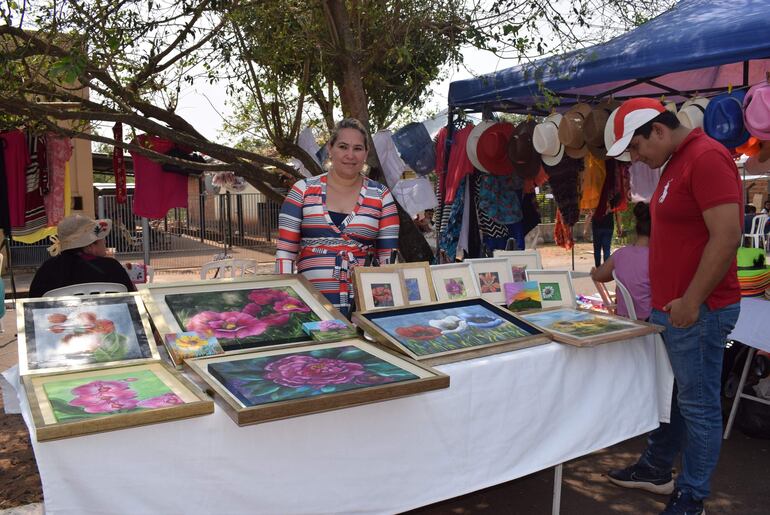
(700, 175)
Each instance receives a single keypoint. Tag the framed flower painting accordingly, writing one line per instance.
(454, 281)
(555, 288)
(94, 401)
(281, 383)
(60, 334)
(377, 287)
(450, 331)
(490, 275)
(588, 328)
(268, 310)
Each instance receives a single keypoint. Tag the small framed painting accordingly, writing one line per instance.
(555, 288)
(522, 296)
(281, 383)
(445, 332)
(490, 275)
(377, 287)
(521, 261)
(418, 282)
(60, 334)
(454, 281)
(79, 403)
(182, 346)
(259, 311)
(588, 328)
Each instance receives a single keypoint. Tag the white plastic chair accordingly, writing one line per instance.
(620, 287)
(757, 232)
(86, 289)
(228, 268)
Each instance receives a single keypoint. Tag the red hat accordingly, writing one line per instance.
(631, 115)
(489, 154)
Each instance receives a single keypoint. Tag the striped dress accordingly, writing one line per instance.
(310, 243)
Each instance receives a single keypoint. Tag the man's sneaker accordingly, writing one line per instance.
(643, 478)
(683, 503)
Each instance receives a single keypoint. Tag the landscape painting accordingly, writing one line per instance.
(73, 334)
(587, 327)
(449, 328)
(244, 318)
(522, 296)
(297, 375)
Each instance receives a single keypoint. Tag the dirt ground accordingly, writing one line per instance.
(740, 485)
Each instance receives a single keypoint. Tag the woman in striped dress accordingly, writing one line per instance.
(333, 222)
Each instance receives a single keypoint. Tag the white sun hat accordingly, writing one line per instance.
(691, 113)
(546, 141)
(78, 231)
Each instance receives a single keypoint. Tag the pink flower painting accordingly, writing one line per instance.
(299, 370)
(229, 324)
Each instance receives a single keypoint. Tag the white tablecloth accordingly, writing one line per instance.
(503, 417)
(753, 326)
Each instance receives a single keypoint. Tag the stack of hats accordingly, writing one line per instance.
(753, 274)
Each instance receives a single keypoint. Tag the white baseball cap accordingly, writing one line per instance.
(631, 115)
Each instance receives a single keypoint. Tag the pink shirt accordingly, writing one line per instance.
(632, 267)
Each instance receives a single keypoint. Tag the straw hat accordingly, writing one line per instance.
(521, 153)
(545, 139)
(78, 231)
(491, 149)
(571, 130)
(691, 113)
(593, 128)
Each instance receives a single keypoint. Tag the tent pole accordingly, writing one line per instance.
(7, 243)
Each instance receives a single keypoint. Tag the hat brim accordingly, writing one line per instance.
(473, 141)
(102, 227)
(576, 153)
(620, 146)
(553, 160)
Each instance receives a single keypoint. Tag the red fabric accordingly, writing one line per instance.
(562, 233)
(459, 164)
(119, 165)
(156, 191)
(699, 176)
(16, 155)
(58, 152)
(441, 150)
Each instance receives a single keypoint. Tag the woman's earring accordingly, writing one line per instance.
(327, 165)
(365, 169)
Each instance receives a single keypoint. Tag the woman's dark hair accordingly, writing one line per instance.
(666, 118)
(642, 215)
(349, 123)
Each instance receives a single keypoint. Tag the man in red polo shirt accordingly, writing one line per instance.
(696, 229)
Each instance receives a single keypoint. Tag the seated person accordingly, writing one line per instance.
(631, 266)
(748, 218)
(80, 256)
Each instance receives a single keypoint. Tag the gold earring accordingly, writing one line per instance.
(365, 169)
(327, 165)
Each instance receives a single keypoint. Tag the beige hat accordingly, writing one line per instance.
(545, 139)
(691, 113)
(78, 231)
(571, 130)
(596, 122)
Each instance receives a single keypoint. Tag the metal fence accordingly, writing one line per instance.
(240, 225)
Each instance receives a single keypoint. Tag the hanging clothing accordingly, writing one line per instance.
(619, 196)
(562, 232)
(16, 158)
(156, 191)
(459, 163)
(564, 184)
(498, 199)
(313, 245)
(451, 228)
(644, 180)
(58, 153)
(5, 216)
(34, 208)
(415, 195)
(119, 165)
(392, 164)
(592, 181)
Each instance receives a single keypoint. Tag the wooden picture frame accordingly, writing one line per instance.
(586, 328)
(418, 281)
(378, 287)
(54, 416)
(527, 259)
(450, 331)
(83, 332)
(454, 281)
(272, 384)
(267, 299)
(556, 288)
(490, 275)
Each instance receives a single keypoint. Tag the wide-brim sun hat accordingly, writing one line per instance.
(546, 142)
(521, 153)
(78, 231)
(756, 111)
(473, 140)
(492, 149)
(723, 119)
(571, 130)
(692, 111)
(624, 121)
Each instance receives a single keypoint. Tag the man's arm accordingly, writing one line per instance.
(724, 240)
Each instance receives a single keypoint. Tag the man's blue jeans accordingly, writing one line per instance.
(695, 429)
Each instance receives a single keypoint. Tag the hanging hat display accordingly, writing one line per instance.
(489, 152)
(571, 130)
(521, 153)
(670, 106)
(691, 113)
(473, 141)
(723, 119)
(545, 139)
(593, 128)
(416, 147)
(756, 111)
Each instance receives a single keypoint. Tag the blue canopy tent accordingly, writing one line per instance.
(698, 46)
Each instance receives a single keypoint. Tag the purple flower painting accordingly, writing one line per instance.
(244, 318)
(297, 375)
